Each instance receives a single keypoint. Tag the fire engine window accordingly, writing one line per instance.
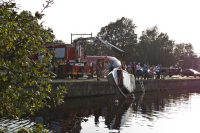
(94, 62)
(117, 63)
(106, 64)
(60, 52)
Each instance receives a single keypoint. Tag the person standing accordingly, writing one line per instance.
(91, 68)
(109, 65)
(146, 74)
(130, 68)
(133, 68)
(152, 70)
(138, 68)
(158, 71)
(125, 66)
(99, 68)
(162, 72)
(143, 70)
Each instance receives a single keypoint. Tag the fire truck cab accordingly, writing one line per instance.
(68, 64)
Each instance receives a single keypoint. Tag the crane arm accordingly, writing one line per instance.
(102, 42)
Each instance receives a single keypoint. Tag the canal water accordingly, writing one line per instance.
(150, 112)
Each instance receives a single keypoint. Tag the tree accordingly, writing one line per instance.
(58, 41)
(151, 40)
(121, 34)
(21, 36)
(185, 52)
(50, 33)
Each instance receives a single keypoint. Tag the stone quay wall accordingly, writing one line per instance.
(174, 84)
(97, 88)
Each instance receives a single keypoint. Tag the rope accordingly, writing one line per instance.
(118, 80)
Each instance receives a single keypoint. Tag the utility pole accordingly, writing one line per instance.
(79, 34)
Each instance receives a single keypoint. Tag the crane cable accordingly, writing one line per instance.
(118, 80)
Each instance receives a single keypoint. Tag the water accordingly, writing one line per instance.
(150, 112)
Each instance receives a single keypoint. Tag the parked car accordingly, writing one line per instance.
(190, 72)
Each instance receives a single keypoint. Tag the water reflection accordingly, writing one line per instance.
(148, 112)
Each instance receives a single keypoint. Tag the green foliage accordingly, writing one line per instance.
(121, 34)
(185, 52)
(21, 36)
(155, 48)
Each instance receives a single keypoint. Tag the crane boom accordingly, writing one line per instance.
(82, 41)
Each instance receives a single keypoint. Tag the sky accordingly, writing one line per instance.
(178, 18)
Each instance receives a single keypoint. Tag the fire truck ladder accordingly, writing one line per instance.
(142, 84)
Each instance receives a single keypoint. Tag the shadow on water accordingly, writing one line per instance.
(69, 116)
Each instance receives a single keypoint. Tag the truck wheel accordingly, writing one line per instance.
(182, 75)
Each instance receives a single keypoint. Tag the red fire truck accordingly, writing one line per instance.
(71, 57)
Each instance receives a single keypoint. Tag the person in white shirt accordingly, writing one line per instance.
(138, 68)
(152, 70)
(124, 66)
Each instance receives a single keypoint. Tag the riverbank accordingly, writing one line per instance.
(91, 87)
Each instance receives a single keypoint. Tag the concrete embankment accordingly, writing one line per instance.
(173, 84)
(79, 88)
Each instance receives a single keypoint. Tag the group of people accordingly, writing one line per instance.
(146, 71)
